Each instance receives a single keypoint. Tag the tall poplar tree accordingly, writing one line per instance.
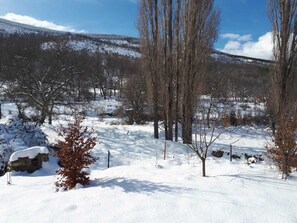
(283, 16)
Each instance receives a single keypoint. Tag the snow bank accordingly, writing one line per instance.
(30, 152)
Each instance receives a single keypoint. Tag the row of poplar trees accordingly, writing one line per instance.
(176, 39)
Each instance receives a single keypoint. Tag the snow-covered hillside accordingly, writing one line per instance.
(122, 45)
(235, 59)
(142, 187)
(94, 46)
(111, 44)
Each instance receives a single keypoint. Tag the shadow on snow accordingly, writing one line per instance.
(137, 186)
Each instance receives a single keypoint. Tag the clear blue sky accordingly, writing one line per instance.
(246, 19)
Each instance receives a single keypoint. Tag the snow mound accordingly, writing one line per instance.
(30, 153)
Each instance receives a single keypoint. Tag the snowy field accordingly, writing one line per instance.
(142, 187)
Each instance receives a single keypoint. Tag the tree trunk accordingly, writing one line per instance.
(208, 116)
(187, 124)
(187, 110)
(50, 119)
(177, 64)
(170, 70)
(166, 126)
(103, 91)
(273, 126)
(165, 72)
(42, 118)
(50, 115)
(155, 30)
(44, 113)
(95, 94)
(170, 117)
(156, 116)
(203, 167)
(176, 114)
(165, 53)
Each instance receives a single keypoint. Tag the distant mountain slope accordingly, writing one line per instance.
(122, 45)
(235, 59)
(9, 27)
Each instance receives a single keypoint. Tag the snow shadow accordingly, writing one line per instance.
(137, 186)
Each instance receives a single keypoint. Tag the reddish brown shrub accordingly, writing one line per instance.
(75, 155)
(284, 152)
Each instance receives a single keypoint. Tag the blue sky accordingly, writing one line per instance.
(244, 27)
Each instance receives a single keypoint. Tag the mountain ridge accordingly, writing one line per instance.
(123, 45)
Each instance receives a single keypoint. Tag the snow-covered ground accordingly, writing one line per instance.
(142, 187)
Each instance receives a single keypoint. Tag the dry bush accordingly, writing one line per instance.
(225, 121)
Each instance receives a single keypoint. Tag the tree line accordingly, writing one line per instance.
(42, 72)
(176, 39)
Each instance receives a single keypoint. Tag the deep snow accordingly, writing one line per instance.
(142, 187)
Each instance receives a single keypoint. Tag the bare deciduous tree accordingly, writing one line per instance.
(204, 139)
(199, 32)
(283, 16)
(148, 26)
(134, 98)
(39, 85)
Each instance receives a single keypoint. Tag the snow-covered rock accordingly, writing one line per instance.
(30, 153)
(29, 159)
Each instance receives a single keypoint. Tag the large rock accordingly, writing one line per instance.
(28, 160)
(217, 153)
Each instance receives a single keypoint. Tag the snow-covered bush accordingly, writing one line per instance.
(30, 134)
(16, 135)
(5, 152)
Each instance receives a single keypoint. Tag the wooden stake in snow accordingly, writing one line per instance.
(230, 153)
(108, 158)
(8, 177)
(231, 148)
(165, 150)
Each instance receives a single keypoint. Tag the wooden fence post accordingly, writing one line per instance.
(230, 153)
(8, 178)
(108, 159)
